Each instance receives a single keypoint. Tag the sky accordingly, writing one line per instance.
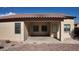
(74, 11)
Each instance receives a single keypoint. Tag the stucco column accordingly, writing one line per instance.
(22, 31)
(58, 32)
(61, 31)
(26, 31)
(51, 33)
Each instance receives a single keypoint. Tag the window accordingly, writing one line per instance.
(44, 28)
(66, 27)
(17, 28)
(35, 28)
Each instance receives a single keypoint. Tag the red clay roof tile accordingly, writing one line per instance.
(53, 15)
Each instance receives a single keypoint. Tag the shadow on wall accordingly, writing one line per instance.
(75, 34)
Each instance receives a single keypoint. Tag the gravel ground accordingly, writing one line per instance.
(15, 46)
(46, 47)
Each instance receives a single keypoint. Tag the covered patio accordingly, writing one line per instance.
(43, 26)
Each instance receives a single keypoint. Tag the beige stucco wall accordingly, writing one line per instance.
(66, 35)
(7, 31)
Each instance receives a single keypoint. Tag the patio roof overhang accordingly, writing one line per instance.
(35, 17)
(31, 19)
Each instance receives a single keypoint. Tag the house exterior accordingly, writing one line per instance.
(21, 26)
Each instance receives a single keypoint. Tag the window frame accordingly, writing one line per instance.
(17, 29)
(67, 27)
(33, 28)
(44, 28)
